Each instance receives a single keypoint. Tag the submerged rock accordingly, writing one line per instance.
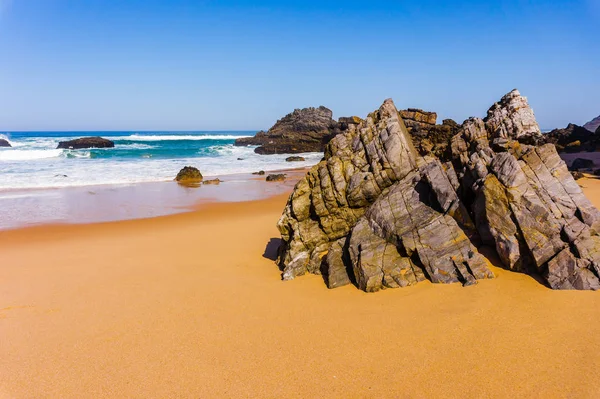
(276, 177)
(295, 159)
(212, 181)
(189, 174)
(86, 142)
(4, 143)
(377, 213)
(260, 173)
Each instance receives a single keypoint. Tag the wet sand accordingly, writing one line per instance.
(105, 203)
(187, 306)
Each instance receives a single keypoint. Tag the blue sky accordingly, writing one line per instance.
(204, 65)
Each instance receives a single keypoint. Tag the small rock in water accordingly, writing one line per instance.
(276, 177)
(260, 173)
(240, 159)
(4, 143)
(295, 159)
(211, 181)
(59, 175)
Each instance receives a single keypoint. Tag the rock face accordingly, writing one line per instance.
(593, 125)
(573, 138)
(86, 142)
(304, 130)
(378, 214)
(189, 174)
(4, 143)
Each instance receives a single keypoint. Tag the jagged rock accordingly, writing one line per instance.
(512, 118)
(304, 130)
(86, 142)
(573, 138)
(376, 213)
(581, 163)
(295, 159)
(189, 174)
(4, 143)
(276, 177)
(593, 125)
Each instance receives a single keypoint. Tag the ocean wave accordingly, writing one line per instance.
(141, 137)
(27, 155)
(134, 146)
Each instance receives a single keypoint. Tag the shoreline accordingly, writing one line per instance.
(24, 208)
(192, 305)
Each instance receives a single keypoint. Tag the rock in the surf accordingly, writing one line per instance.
(276, 177)
(86, 142)
(4, 143)
(376, 212)
(189, 174)
(212, 181)
(304, 130)
(295, 159)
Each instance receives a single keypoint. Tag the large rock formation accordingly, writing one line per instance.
(377, 213)
(304, 130)
(593, 125)
(573, 138)
(86, 142)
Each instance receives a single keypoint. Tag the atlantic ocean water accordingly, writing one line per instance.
(34, 162)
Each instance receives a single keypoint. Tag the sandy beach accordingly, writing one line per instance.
(192, 306)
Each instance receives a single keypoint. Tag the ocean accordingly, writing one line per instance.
(34, 162)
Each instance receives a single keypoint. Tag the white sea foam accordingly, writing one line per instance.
(141, 137)
(28, 155)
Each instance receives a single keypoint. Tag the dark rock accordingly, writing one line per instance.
(573, 138)
(582, 163)
(4, 143)
(377, 213)
(240, 159)
(577, 174)
(276, 177)
(304, 130)
(189, 174)
(212, 181)
(260, 173)
(295, 159)
(86, 142)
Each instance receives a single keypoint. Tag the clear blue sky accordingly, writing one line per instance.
(190, 65)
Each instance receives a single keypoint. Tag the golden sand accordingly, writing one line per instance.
(186, 306)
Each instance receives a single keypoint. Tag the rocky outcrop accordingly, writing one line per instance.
(4, 143)
(189, 174)
(573, 138)
(593, 125)
(86, 142)
(376, 213)
(304, 130)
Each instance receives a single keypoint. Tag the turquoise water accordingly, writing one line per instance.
(35, 162)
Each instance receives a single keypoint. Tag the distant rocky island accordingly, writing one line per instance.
(392, 204)
(593, 125)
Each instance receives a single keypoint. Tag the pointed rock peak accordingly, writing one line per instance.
(513, 118)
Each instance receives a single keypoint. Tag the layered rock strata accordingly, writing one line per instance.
(376, 213)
